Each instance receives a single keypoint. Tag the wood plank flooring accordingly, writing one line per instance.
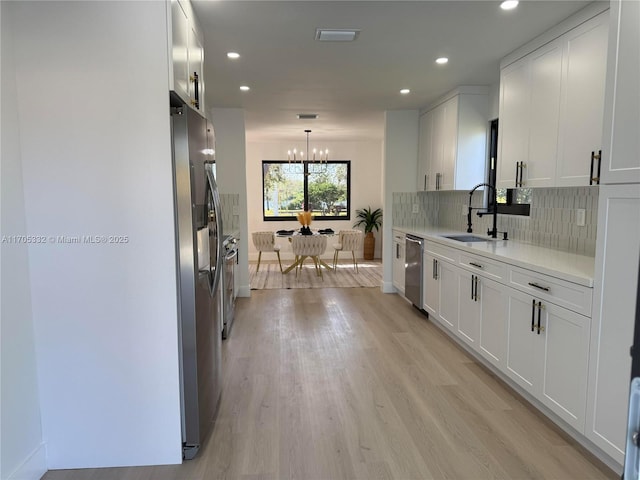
(353, 383)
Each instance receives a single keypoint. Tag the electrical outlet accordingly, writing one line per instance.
(581, 217)
(416, 208)
(465, 209)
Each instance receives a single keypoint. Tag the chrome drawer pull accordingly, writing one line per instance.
(535, 285)
(477, 265)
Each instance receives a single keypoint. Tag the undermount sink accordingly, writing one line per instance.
(467, 238)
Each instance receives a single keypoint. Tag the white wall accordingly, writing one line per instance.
(494, 100)
(366, 184)
(228, 124)
(22, 452)
(401, 131)
(92, 93)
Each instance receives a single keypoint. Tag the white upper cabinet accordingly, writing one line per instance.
(179, 50)
(544, 116)
(452, 146)
(551, 105)
(424, 151)
(186, 45)
(621, 134)
(582, 103)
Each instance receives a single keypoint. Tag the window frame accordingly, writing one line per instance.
(510, 207)
(306, 174)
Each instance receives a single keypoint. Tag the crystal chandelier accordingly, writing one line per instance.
(317, 163)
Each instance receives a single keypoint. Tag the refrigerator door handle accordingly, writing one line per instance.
(213, 204)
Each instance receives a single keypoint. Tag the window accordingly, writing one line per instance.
(322, 188)
(511, 201)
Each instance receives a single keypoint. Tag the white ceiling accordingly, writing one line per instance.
(350, 85)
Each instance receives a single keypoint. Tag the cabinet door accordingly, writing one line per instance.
(437, 149)
(544, 115)
(492, 339)
(621, 146)
(522, 358)
(448, 301)
(513, 136)
(424, 150)
(431, 285)
(469, 314)
(564, 346)
(615, 292)
(449, 141)
(582, 102)
(398, 265)
(179, 55)
(196, 62)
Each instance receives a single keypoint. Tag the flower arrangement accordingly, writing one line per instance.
(305, 218)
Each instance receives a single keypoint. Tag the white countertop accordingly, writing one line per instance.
(567, 266)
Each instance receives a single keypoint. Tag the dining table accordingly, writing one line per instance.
(291, 233)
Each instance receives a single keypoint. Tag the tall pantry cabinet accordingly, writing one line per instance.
(618, 243)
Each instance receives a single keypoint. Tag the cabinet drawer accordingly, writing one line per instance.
(441, 252)
(566, 294)
(483, 266)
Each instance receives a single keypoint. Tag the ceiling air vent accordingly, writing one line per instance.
(336, 35)
(307, 116)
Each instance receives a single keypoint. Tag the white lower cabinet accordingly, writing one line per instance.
(548, 354)
(440, 290)
(398, 261)
(615, 291)
(449, 291)
(430, 285)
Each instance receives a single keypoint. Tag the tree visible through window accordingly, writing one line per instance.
(291, 187)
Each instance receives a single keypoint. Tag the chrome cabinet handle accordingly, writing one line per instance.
(539, 313)
(535, 285)
(594, 157)
(477, 265)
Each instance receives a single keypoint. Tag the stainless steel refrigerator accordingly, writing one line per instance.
(199, 263)
(632, 450)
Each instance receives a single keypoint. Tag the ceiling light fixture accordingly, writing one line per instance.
(337, 34)
(244, 88)
(405, 91)
(509, 4)
(313, 165)
(233, 55)
(442, 60)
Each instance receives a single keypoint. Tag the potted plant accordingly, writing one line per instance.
(370, 219)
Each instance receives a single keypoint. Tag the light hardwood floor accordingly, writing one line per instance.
(354, 383)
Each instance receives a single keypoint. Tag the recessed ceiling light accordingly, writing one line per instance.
(509, 4)
(405, 91)
(442, 60)
(233, 55)
(244, 88)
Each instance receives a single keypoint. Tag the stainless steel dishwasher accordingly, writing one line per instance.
(413, 269)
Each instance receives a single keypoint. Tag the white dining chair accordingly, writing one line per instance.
(304, 246)
(348, 241)
(265, 242)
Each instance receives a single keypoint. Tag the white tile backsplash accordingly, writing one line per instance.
(552, 222)
(228, 201)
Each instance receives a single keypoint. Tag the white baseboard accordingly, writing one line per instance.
(33, 467)
(244, 291)
(387, 287)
